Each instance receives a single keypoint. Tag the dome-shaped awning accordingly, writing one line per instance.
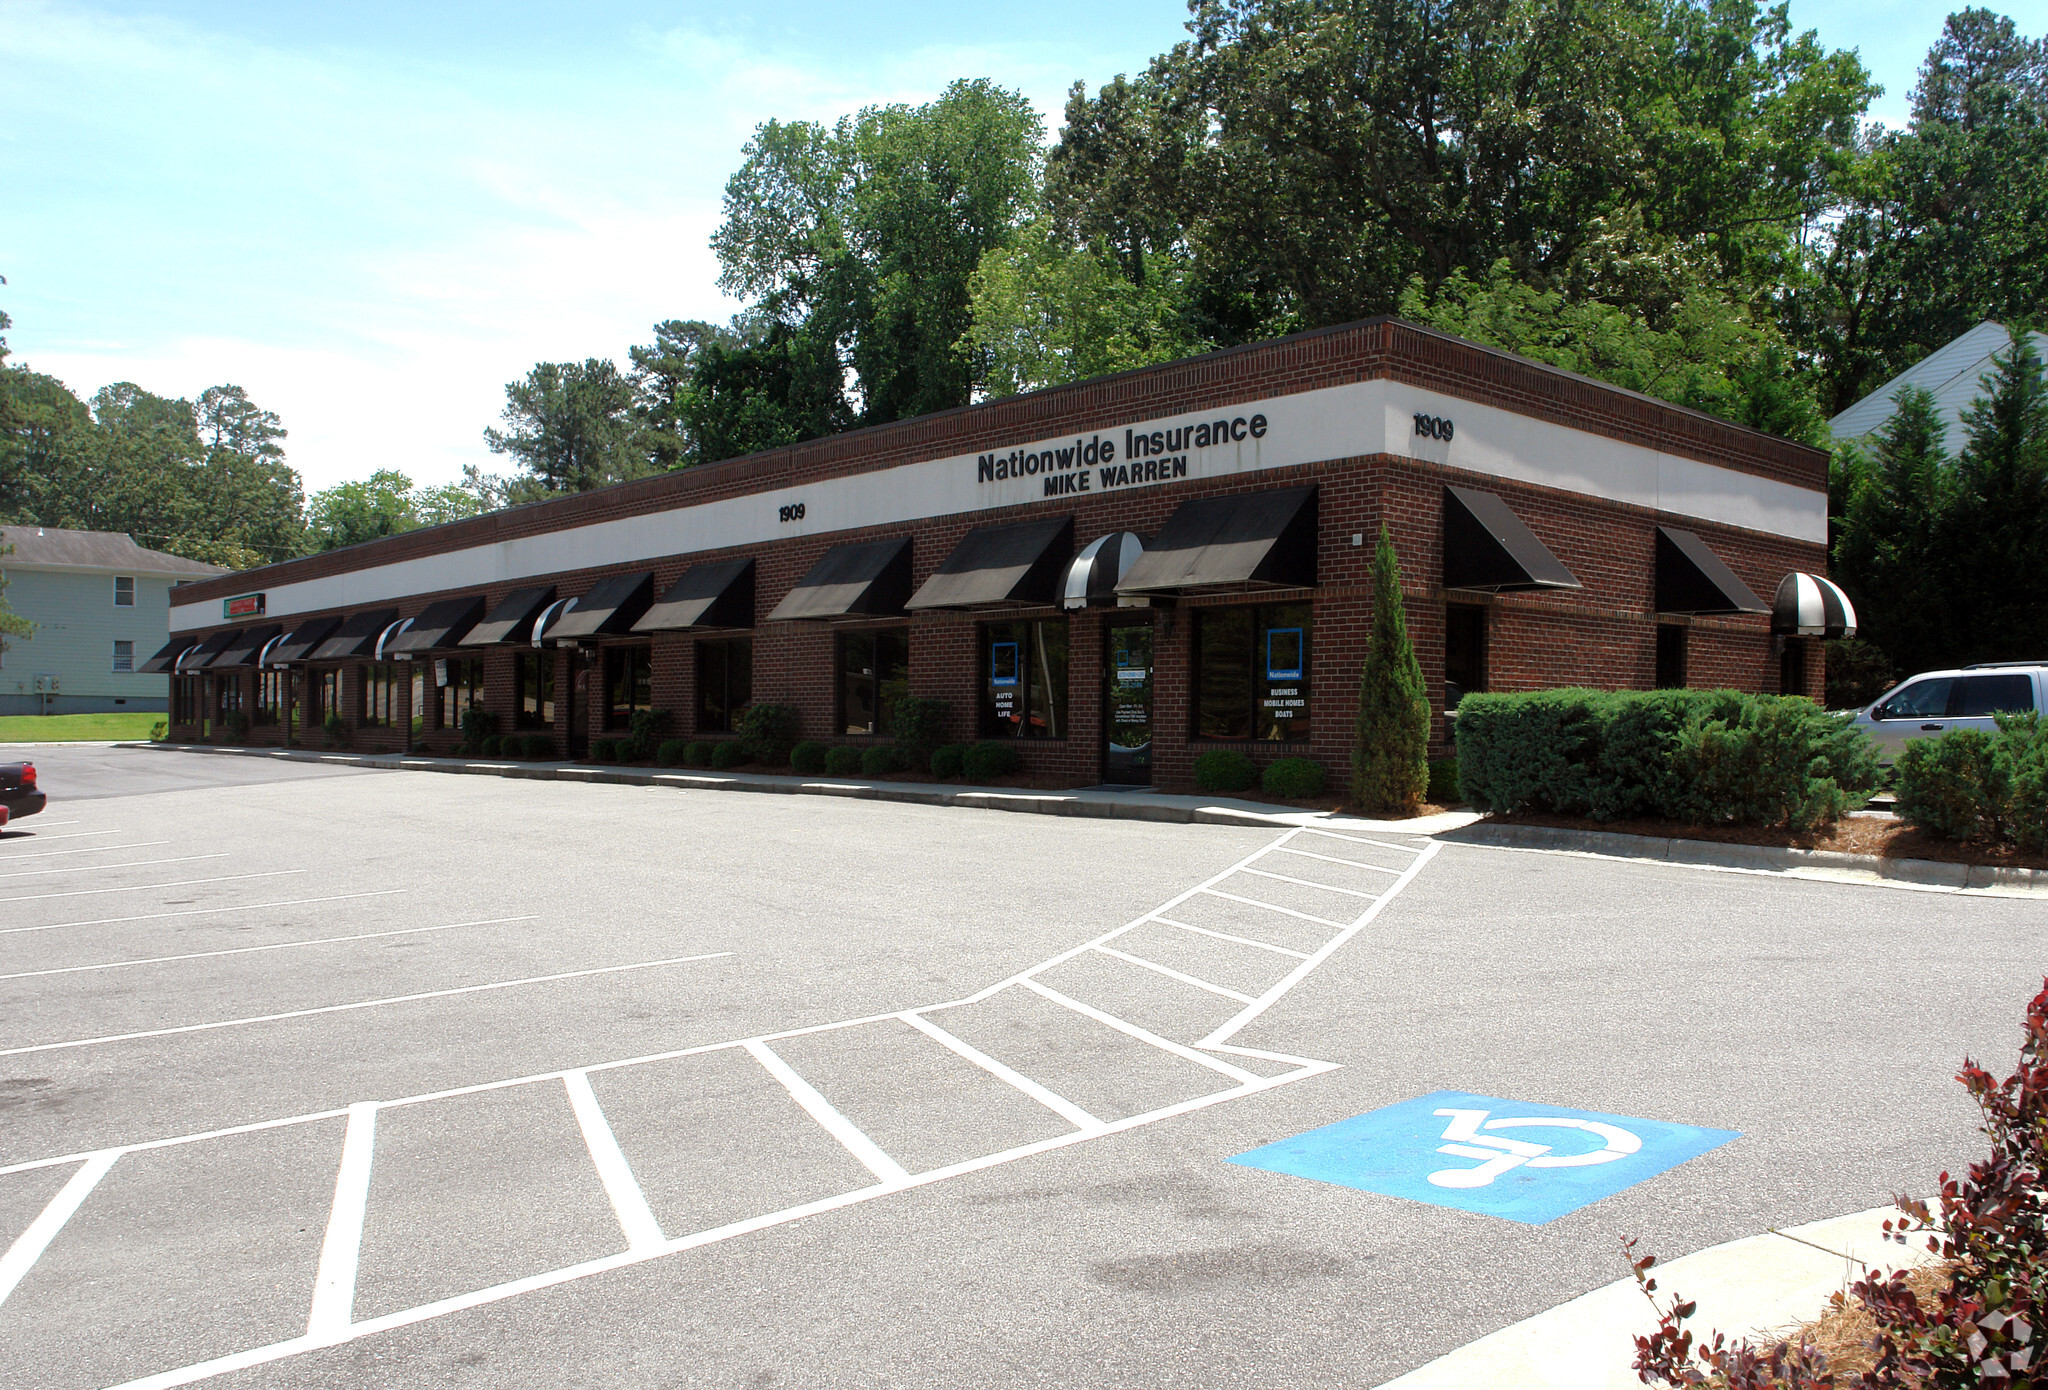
(1810, 606)
(1092, 576)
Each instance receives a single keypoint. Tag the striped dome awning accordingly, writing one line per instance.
(1810, 606)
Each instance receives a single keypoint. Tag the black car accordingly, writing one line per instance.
(18, 790)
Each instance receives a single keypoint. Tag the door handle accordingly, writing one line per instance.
(1930, 728)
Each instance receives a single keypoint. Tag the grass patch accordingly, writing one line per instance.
(76, 728)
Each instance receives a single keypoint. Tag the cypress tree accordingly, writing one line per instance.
(1999, 516)
(1390, 760)
(1888, 554)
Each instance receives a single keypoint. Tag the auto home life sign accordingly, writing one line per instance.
(242, 606)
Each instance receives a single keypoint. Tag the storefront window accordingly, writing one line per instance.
(1670, 657)
(1024, 680)
(464, 688)
(874, 673)
(326, 696)
(383, 696)
(185, 700)
(270, 696)
(230, 693)
(536, 680)
(1464, 652)
(1252, 672)
(628, 684)
(725, 682)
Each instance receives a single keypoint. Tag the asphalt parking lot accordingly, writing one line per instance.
(390, 1079)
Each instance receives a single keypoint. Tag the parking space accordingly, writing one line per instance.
(467, 1081)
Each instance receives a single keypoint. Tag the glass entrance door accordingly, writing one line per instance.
(1127, 705)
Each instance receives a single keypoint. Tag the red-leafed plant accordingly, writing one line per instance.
(1983, 1326)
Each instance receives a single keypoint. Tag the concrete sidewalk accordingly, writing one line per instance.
(1761, 1284)
(1106, 803)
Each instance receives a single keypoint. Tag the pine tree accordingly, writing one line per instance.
(1390, 760)
(1887, 556)
(1997, 526)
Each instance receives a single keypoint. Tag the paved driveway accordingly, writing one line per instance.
(390, 1079)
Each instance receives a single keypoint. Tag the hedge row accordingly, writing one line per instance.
(1227, 770)
(1702, 757)
(1968, 784)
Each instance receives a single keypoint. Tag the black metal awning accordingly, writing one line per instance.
(611, 607)
(304, 639)
(1249, 540)
(167, 655)
(242, 651)
(1486, 546)
(1808, 605)
(442, 625)
(861, 579)
(1692, 579)
(356, 637)
(207, 652)
(1016, 566)
(718, 594)
(512, 619)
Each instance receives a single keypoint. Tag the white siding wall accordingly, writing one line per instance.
(77, 625)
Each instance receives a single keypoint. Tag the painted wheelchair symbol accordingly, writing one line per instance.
(1501, 1154)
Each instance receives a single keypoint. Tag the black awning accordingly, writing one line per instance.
(168, 654)
(1017, 566)
(304, 639)
(716, 594)
(208, 651)
(243, 650)
(443, 624)
(1249, 540)
(356, 637)
(611, 607)
(512, 619)
(1486, 546)
(861, 579)
(1692, 579)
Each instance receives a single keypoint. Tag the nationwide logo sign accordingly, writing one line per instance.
(244, 606)
(1092, 464)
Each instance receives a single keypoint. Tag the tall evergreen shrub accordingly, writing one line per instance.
(1390, 759)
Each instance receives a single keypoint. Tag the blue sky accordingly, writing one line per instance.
(373, 216)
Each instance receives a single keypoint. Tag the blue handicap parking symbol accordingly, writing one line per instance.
(1506, 1158)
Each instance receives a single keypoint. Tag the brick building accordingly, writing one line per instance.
(1119, 574)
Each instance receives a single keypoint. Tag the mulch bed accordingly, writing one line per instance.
(1880, 836)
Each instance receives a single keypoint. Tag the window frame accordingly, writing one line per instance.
(541, 664)
(272, 685)
(1478, 615)
(1025, 681)
(124, 662)
(119, 580)
(632, 662)
(1679, 636)
(877, 683)
(724, 717)
(465, 673)
(381, 686)
(1261, 685)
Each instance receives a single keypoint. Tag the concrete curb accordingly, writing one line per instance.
(1758, 1284)
(1155, 806)
(1926, 875)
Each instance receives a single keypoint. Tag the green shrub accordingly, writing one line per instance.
(160, 731)
(476, 724)
(807, 758)
(697, 755)
(842, 761)
(767, 733)
(645, 729)
(2023, 742)
(1704, 757)
(238, 723)
(1224, 770)
(946, 761)
(1443, 781)
(540, 746)
(336, 729)
(493, 745)
(1967, 783)
(1293, 778)
(984, 762)
(919, 725)
(1390, 757)
(604, 750)
(728, 753)
(878, 761)
(669, 752)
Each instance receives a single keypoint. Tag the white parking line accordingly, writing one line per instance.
(1333, 859)
(74, 835)
(1310, 883)
(1215, 1064)
(629, 1202)
(1240, 940)
(828, 1117)
(92, 849)
(334, 1283)
(347, 1008)
(1058, 1104)
(146, 887)
(1272, 907)
(22, 1255)
(1173, 974)
(205, 911)
(272, 946)
(96, 868)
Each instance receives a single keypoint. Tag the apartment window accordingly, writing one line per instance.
(271, 688)
(725, 682)
(1670, 656)
(628, 684)
(383, 696)
(1024, 679)
(1252, 672)
(464, 690)
(124, 591)
(124, 656)
(535, 676)
(874, 673)
(1464, 652)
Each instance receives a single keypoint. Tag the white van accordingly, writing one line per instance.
(1934, 702)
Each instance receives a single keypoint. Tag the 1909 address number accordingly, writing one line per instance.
(1433, 426)
(793, 512)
